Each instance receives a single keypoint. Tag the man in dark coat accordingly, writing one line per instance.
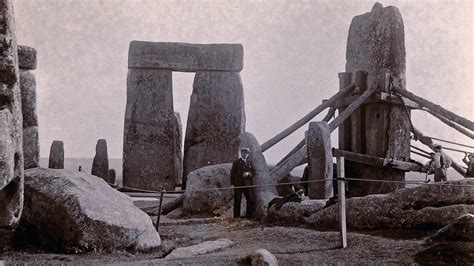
(241, 175)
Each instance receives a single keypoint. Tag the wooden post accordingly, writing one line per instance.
(450, 123)
(285, 133)
(342, 200)
(436, 108)
(344, 130)
(159, 212)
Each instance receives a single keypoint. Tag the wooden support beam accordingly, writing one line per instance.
(285, 133)
(429, 142)
(450, 123)
(298, 157)
(436, 108)
(300, 145)
(421, 154)
(381, 97)
(376, 161)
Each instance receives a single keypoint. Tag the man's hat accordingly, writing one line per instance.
(245, 149)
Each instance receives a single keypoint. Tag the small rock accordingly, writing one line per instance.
(462, 229)
(262, 257)
(199, 249)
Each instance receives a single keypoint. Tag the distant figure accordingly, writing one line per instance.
(241, 174)
(80, 168)
(439, 164)
(469, 161)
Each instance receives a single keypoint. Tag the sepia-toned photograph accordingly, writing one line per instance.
(236, 132)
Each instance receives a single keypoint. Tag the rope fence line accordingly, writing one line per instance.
(408, 182)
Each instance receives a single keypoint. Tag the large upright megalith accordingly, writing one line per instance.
(100, 164)
(56, 155)
(11, 127)
(148, 161)
(376, 44)
(27, 62)
(152, 157)
(318, 143)
(216, 118)
(178, 150)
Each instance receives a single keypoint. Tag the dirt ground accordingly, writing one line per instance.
(291, 246)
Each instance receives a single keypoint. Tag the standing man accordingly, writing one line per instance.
(241, 174)
(440, 164)
(469, 161)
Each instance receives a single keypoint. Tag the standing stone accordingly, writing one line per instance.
(376, 44)
(11, 128)
(100, 164)
(178, 151)
(318, 141)
(27, 61)
(56, 155)
(112, 176)
(148, 160)
(215, 120)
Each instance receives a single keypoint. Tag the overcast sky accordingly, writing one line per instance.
(293, 51)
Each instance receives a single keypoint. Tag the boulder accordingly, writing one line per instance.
(294, 213)
(424, 206)
(26, 57)
(149, 143)
(56, 155)
(262, 257)
(78, 211)
(30, 119)
(376, 44)
(186, 57)
(11, 128)
(462, 229)
(100, 164)
(199, 249)
(215, 120)
(209, 177)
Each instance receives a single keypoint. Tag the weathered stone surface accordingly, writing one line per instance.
(263, 194)
(100, 164)
(215, 120)
(148, 160)
(186, 57)
(294, 213)
(112, 176)
(462, 229)
(376, 43)
(30, 119)
(199, 249)
(318, 142)
(26, 57)
(11, 128)
(419, 207)
(208, 177)
(262, 257)
(56, 155)
(178, 151)
(80, 211)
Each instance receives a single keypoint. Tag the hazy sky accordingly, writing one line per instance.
(293, 51)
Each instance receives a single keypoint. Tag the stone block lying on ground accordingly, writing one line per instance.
(209, 177)
(199, 249)
(262, 257)
(82, 212)
(186, 57)
(462, 229)
(292, 213)
(419, 207)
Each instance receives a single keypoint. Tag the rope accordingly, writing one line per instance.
(452, 142)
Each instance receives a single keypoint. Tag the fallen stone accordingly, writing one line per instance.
(215, 120)
(148, 152)
(376, 44)
(26, 57)
(262, 257)
(100, 164)
(294, 213)
(425, 206)
(320, 165)
(81, 212)
(199, 249)
(462, 229)
(56, 155)
(212, 178)
(178, 151)
(186, 57)
(112, 176)
(146, 204)
(30, 120)
(11, 128)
